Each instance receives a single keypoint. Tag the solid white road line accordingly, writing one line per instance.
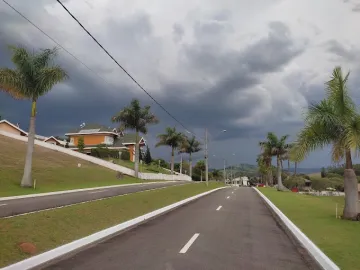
(97, 191)
(3, 204)
(227, 197)
(188, 244)
(217, 209)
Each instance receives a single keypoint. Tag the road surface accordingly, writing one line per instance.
(229, 229)
(26, 205)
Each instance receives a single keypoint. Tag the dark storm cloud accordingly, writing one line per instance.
(338, 49)
(216, 105)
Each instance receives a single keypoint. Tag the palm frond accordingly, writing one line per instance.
(12, 83)
(47, 78)
(44, 58)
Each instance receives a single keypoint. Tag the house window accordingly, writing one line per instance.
(109, 140)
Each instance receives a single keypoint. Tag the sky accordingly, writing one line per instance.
(249, 67)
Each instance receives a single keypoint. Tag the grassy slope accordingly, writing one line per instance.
(52, 228)
(52, 170)
(315, 216)
(143, 168)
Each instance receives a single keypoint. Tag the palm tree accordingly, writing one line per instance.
(266, 159)
(277, 147)
(136, 118)
(263, 169)
(336, 121)
(171, 138)
(34, 75)
(190, 146)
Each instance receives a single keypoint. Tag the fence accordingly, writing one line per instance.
(106, 164)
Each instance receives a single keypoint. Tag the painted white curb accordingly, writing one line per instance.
(323, 260)
(75, 190)
(70, 247)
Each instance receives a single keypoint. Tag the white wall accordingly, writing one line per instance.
(109, 165)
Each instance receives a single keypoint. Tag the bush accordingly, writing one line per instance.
(333, 175)
(125, 155)
(304, 176)
(102, 151)
(323, 183)
(295, 181)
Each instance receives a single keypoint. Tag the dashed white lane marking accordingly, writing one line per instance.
(217, 209)
(189, 243)
(3, 204)
(227, 197)
(232, 192)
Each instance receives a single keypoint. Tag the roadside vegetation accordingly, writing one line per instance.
(333, 121)
(49, 229)
(315, 216)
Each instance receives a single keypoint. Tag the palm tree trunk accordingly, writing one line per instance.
(190, 167)
(288, 166)
(172, 159)
(137, 152)
(295, 168)
(26, 180)
(350, 188)
(280, 185)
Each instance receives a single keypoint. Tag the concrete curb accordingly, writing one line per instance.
(323, 261)
(75, 190)
(63, 250)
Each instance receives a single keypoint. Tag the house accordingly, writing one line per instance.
(94, 134)
(53, 140)
(11, 128)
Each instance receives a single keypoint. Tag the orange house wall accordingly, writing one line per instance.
(5, 127)
(90, 139)
(131, 149)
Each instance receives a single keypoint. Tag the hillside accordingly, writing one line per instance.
(52, 170)
(252, 170)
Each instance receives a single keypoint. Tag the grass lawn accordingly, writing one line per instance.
(143, 168)
(52, 170)
(315, 216)
(49, 229)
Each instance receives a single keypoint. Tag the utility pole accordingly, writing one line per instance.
(224, 173)
(206, 158)
(180, 163)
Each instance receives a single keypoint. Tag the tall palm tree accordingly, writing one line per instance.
(277, 147)
(171, 138)
(266, 159)
(263, 169)
(336, 121)
(136, 118)
(34, 75)
(190, 146)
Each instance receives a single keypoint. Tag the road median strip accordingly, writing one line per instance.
(91, 222)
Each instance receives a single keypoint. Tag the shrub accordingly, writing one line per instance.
(333, 175)
(125, 155)
(295, 181)
(101, 151)
(323, 183)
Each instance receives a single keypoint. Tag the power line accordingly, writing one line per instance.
(53, 40)
(123, 69)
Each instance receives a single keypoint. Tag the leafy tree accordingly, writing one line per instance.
(266, 159)
(81, 144)
(190, 146)
(263, 169)
(136, 118)
(171, 138)
(34, 75)
(335, 120)
(216, 174)
(276, 147)
(147, 158)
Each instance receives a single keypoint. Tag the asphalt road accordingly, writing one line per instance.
(241, 234)
(26, 205)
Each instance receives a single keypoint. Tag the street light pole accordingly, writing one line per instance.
(181, 163)
(224, 173)
(206, 158)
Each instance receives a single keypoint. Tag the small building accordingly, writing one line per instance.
(11, 128)
(53, 140)
(94, 135)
